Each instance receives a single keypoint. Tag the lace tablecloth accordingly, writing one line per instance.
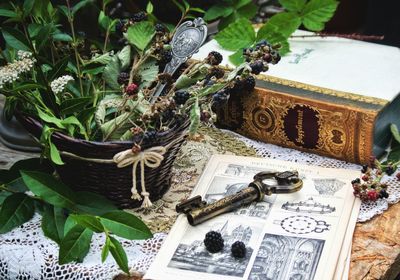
(25, 253)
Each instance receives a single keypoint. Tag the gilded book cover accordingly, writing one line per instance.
(342, 125)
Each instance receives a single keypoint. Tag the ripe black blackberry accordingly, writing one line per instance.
(150, 136)
(383, 194)
(160, 28)
(364, 168)
(238, 249)
(214, 58)
(249, 83)
(214, 242)
(165, 56)
(119, 27)
(181, 96)
(356, 181)
(123, 78)
(257, 67)
(220, 97)
(140, 16)
(389, 170)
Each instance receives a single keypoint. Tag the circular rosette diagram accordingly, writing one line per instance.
(303, 224)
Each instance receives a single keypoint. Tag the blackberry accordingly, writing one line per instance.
(123, 78)
(257, 67)
(150, 136)
(383, 194)
(140, 16)
(364, 168)
(214, 242)
(132, 89)
(205, 116)
(165, 56)
(249, 83)
(160, 28)
(215, 72)
(238, 85)
(119, 26)
(181, 96)
(238, 249)
(220, 97)
(356, 181)
(214, 58)
(276, 57)
(389, 170)
(208, 82)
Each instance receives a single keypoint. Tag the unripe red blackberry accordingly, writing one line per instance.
(132, 89)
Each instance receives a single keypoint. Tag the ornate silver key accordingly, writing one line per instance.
(187, 40)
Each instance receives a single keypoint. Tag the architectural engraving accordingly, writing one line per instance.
(328, 186)
(303, 224)
(308, 206)
(284, 257)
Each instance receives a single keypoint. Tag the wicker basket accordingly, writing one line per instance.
(107, 179)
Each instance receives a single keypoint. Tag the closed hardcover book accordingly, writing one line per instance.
(331, 96)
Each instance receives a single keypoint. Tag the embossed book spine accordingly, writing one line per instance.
(342, 125)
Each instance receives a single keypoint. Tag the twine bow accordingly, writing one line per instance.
(151, 157)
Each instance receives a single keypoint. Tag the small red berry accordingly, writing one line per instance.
(398, 176)
(131, 89)
(373, 195)
(365, 177)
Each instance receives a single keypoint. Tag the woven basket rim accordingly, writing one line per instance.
(63, 137)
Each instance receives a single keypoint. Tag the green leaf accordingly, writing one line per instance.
(75, 245)
(58, 69)
(149, 8)
(74, 105)
(293, 5)
(125, 225)
(237, 57)
(15, 38)
(43, 36)
(8, 13)
(140, 34)
(80, 5)
(104, 21)
(283, 23)
(88, 221)
(49, 189)
(111, 72)
(106, 249)
(27, 7)
(247, 11)
(148, 72)
(53, 222)
(55, 154)
(92, 203)
(69, 224)
(3, 196)
(125, 57)
(16, 209)
(395, 132)
(62, 37)
(194, 117)
(317, 12)
(237, 35)
(241, 3)
(394, 154)
(118, 252)
(217, 11)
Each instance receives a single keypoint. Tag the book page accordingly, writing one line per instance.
(287, 236)
(336, 63)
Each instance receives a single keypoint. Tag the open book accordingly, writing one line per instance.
(302, 235)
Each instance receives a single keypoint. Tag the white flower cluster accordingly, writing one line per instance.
(58, 85)
(12, 71)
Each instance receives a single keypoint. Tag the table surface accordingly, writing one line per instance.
(376, 243)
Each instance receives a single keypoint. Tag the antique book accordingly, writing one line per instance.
(332, 96)
(302, 235)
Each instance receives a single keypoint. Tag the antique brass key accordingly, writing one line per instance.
(264, 183)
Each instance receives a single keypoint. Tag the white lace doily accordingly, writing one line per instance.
(368, 209)
(27, 254)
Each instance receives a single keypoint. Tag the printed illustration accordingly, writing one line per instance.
(283, 257)
(303, 224)
(328, 186)
(192, 255)
(242, 171)
(308, 206)
(221, 187)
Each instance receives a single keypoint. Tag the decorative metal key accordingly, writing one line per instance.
(264, 183)
(187, 40)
